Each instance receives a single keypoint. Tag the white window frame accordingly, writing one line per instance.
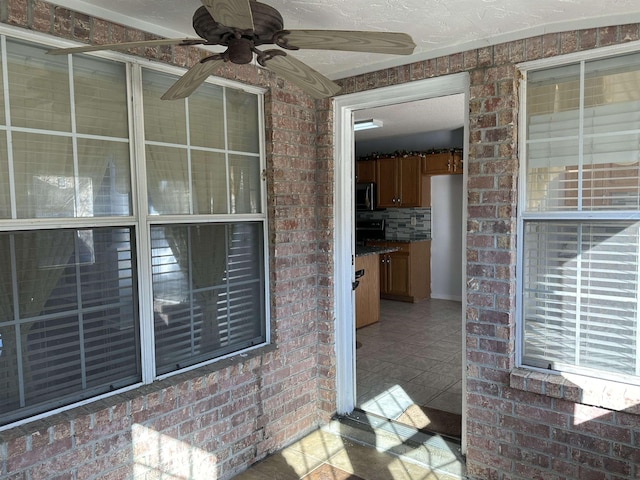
(583, 215)
(141, 220)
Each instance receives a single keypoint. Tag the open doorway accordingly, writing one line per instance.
(346, 106)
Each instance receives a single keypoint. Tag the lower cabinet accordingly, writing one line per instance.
(368, 290)
(405, 274)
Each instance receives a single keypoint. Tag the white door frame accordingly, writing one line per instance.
(344, 240)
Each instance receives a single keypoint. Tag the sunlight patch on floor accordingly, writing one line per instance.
(389, 404)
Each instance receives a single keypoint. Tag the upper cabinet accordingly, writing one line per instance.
(442, 163)
(404, 179)
(366, 171)
(401, 183)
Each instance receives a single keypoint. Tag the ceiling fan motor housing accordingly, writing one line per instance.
(267, 21)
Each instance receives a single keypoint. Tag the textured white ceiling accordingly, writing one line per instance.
(438, 27)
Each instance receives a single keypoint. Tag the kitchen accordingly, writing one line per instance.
(409, 259)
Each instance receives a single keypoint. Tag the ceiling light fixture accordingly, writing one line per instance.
(366, 124)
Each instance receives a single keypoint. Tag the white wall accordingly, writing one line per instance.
(446, 234)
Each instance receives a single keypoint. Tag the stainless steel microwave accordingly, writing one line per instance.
(366, 196)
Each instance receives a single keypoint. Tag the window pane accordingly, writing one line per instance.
(207, 291)
(105, 167)
(612, 106)
(167, 180)
(209, 182)
(164, 121)
(244, 175)
(553, 96)
(611, 174)
(73, 330)
(552, 176)
(100, 94)
(613, 81)
(580, 300)
(38, 88)
(206, 116)
(242, 115)
(45, 185)
(594, 166)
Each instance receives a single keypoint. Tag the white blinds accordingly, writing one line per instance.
(207, 291)
(581, 295)
(580, 271)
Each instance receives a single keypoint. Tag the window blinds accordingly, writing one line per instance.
(580, 253)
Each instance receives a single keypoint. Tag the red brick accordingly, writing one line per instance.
(63, 22)
(17, 10)
(607, 36)
(588, 38)
(81, 27)
(41, 16)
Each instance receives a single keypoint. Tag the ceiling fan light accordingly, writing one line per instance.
(366, 124)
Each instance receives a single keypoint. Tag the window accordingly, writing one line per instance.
(128, 250)
(579, 218)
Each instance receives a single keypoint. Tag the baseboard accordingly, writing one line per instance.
(438, 296)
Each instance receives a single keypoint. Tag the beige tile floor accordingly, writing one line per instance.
(324, 455)
(412, 355)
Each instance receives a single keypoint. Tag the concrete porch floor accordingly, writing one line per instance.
(363, 447)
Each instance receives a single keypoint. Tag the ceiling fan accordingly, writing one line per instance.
(244, 25)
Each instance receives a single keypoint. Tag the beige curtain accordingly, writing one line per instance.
(206, 245)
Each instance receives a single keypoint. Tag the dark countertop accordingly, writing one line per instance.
(403, 238)
(408, 238)
(361, 251)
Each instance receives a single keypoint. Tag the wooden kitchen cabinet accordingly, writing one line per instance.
(368, 290)
(401, 183)
(457, 161)
(366, 171)
(444, 163)
(405, 274)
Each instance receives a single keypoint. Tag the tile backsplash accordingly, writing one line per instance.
(398, 221)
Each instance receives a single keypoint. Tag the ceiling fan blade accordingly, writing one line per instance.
(311, 81)
(127, 45)
(231, 13)
(351, 41)
(191, 80)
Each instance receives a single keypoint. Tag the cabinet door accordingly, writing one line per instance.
(368, 291)
(366, 171)
(436, 163)
(410, 176)
(399, 274)
(386, 173)
(457, 162)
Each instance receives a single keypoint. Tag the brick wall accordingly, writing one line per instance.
(214, 421)
(520, 425)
